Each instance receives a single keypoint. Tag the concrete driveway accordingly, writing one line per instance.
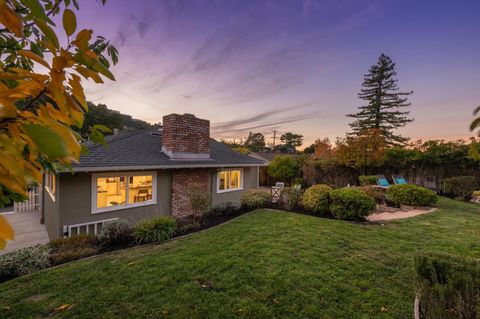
(27, 228)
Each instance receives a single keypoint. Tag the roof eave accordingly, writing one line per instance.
(150, 167)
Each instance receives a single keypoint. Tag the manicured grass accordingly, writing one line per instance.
(267, 264)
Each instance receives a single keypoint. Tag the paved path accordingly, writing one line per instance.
(27, 228)
(399, 214)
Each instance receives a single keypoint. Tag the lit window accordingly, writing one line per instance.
(111, 191)
(229, 180)
(120, 191)
(140, 189)
(50, 184)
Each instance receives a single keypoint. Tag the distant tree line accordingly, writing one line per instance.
(255, 142)
(101, 114)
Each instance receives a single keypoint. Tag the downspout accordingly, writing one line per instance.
(42, 204)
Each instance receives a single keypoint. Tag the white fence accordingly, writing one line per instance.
(85, 228)
(31, 204)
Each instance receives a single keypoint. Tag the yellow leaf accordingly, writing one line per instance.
(77, 90)
(87, 73)
(76, 112)
(81, 41)
(63, 307)
(131, 263)
(8, 110)
(69, 22)
(10, 19)
(59, 63)
(34, 57)
(15, 186)
(6, 231)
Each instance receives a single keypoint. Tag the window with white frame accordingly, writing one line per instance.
(50, 184)
(123, 190)
(229, 180)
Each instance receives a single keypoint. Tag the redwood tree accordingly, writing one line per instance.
(385, 105)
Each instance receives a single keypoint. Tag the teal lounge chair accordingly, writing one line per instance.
(399, 180)
(382, 181)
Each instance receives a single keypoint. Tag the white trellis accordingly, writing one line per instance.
(93, 228)
(31, 204)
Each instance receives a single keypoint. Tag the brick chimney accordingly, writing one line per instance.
(186, 137)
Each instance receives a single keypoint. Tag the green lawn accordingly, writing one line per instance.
(267, 264)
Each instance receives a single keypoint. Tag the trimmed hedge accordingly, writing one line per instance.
(448, 287)
(290, 198)
(256, 198)
(367, 180)
(116, 233)
(24, 261)
(65, 250)
(316, 199)
(462, 187)
(377, 193)
(351, 203)
(411, 195)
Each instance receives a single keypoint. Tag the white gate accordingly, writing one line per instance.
(31, 204)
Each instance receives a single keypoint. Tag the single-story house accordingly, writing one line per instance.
(266, 158)
(146, 173)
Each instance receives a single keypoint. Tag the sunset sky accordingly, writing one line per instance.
(288, 65)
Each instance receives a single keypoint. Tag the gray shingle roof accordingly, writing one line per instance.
(143, 150)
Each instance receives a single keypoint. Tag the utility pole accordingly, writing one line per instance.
(274, 138)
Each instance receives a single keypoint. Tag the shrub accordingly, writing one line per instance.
(65, 250)
(116, 233)
(411, 195)
(24, 261)
(282, 168)
(316, 199)
(226, 209)
(188, 228)
(377, 193)
(351, 204)
(199, 200)
(461, 187)
(447, 286)
(256, 198)
(290, 198)
(367, 180)
(155, 230)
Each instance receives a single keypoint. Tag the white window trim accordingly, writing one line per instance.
(47, 186)
(152, 201)
(219, 191)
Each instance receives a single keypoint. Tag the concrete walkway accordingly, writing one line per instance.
(27, 228)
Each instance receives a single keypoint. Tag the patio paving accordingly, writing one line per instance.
(27, 228)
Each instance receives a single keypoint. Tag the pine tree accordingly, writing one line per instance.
(385, 103)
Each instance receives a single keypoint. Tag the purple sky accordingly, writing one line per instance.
(288, 65)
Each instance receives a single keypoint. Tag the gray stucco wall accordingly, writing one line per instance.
(73, 203)
(76, 201)
(250, 180)
(51, 211)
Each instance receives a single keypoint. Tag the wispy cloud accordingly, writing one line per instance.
(265, 122)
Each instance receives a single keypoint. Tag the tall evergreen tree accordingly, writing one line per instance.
(384, 110)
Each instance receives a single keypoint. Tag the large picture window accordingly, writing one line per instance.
(229, 180)
(123, 190)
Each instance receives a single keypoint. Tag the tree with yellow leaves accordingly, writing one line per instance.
(41, 92)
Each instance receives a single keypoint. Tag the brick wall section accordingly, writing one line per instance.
(186, 134)
(182, 180)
